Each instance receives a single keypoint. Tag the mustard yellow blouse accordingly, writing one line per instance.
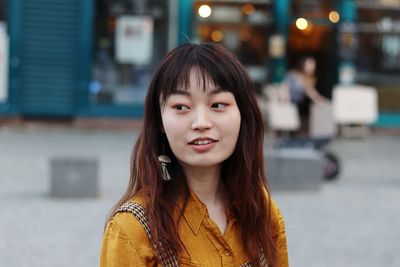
(126, 244)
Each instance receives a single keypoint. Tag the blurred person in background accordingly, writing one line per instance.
(299, 88)
(197, 193)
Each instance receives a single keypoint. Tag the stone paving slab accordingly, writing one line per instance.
(353, 221)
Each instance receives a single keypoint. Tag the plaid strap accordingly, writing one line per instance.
(262, 260)
(166, 255)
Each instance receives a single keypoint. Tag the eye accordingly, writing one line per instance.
(180, 107)
(219, 105)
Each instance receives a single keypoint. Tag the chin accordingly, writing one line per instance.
(203, 163)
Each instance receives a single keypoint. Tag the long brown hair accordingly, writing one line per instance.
(242, 173)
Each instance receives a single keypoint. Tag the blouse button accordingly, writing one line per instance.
(227, 253)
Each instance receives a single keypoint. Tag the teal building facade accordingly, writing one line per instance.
(66, 58)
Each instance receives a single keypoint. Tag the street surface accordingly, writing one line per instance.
(352, 221)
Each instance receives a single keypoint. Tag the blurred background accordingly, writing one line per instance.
(73, 80)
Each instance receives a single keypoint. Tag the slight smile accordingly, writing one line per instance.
(202, 141)
(202, 144)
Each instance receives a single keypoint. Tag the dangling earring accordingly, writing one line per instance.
(164, 159)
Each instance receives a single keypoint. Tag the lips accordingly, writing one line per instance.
(202, 144)
(202, 141)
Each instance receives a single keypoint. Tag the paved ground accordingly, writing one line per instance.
(353, 221)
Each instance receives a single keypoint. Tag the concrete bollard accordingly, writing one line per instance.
(74, 178)
(294, 169)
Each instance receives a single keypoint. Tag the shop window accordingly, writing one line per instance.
(243, 27)
(378, 56)
(127, 46)
(3, 10)
(4, 52)
(379, 39)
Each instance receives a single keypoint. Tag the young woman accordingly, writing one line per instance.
(299, 88)
(197, 194)
(301, 82)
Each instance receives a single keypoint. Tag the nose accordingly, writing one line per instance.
(201, 120)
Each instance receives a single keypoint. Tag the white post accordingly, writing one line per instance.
(172, 24)
(3, 62)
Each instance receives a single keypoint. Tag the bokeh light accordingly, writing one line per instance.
(217, 36)
(334, 16)
(301, 23)
(248, 9)
(204, 11)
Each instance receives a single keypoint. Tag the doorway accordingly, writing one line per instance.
(312, 33)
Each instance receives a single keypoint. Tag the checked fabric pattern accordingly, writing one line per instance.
(166, 255)
(262, 259)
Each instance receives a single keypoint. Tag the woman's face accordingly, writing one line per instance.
(309, 66)
(202, 126)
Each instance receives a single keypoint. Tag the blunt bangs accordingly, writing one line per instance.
(213, 65)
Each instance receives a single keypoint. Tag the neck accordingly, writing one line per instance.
(205, 183)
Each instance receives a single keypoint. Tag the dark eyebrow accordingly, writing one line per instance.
(186, 93)
(181, 92)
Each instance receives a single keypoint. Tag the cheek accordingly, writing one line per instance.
(236, 120)
(232, 126)
(173, 127)
(236, 126)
